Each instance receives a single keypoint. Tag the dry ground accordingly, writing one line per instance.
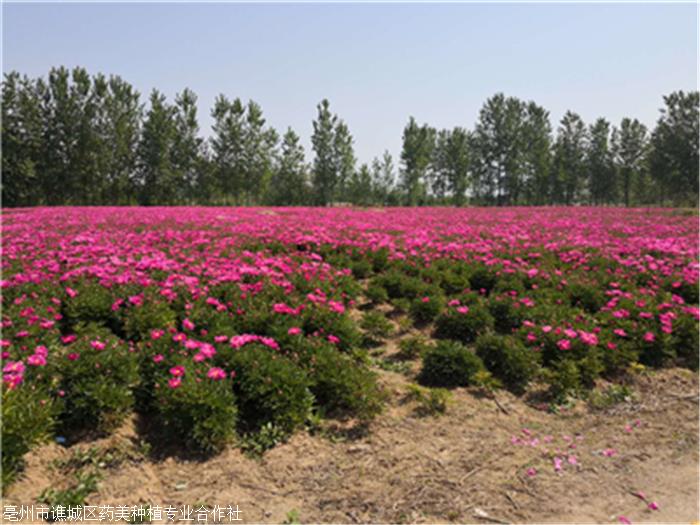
(459, 467)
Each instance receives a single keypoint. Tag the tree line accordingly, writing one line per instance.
(76, 139)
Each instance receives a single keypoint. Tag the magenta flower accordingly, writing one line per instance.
(177, 371)
(174, 382)
(564, 344)
(216, 373)
(187, 324)
(73, 356)
(158, 358)
(295, 330)
(97, 345)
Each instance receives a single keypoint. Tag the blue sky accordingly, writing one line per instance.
(377, 64)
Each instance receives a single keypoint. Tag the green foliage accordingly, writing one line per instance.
(342, 386)
(376, 325)
(463, 327)
(424, 311)
(200, 411)
(449, 364)
(76, 495)
(413, 347)
(507, 315)
(269, 388)
(431, 401)
(507, 359)
(97, 384)
(152, 314)
(27, 419)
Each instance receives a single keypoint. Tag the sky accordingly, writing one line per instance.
(377, 64)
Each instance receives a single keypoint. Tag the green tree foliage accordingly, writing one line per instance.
(629, 150)
(498, 151)
(290, 185)
(416, 155)
(75, 139)
(674, 148)
(602, 186)
(568, 175)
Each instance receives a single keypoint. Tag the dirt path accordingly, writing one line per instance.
(469, 465)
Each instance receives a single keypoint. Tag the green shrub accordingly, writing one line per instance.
(341, 385)
(587, 296)
(454, 283)
(93, 304)
(463, 327)
(449, 364)
(431, 401)
(376, 325)
(328, 323)
(413, 347)
(424, 311)
(361, 268)
(507, 315)
(200, 410)
(483, 278)
(97, 384)
(269, 388)
(140, 320)
(507, 359)
(27, 419)
(684, 341)
(564, 380)
(376, 293)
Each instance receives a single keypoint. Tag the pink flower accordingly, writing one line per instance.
(220, 338)
(336, 306)
(67, 339)
(157, 334)
(564, 344)
(216, 373)
(557, 464)
(71, 293)
(609, 452)
(623, 519)
(546, 329)
(532, 471)
(425, 299)
(174, 382)
(116, 304)
(620, 332)
(136, 300)
(187, 324)
(573, 460)
(333, 339)
(649, 337)
(36, 360)
(97, 345)
(463, 309)
(653, 506)
(177, 371)
(73, 356)
(453, 302)
(158, 358)
(295, 330)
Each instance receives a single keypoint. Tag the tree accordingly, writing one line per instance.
(325, 176)
(290, 180)
(21, 141)
(569, 160)
(383, 179)
(450, 165)
(497, 155)
(416, 154)
(600, 170)
(119, 128)
(629, 151)
(674, 148)
(188, 148)
(259, 144)
(344, 159)
(158, 179)
(227, 148)
(536, 155)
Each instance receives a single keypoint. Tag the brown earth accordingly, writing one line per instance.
(458, 467)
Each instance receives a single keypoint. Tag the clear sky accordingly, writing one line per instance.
(377, 64)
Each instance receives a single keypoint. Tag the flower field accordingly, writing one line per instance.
(227, 323)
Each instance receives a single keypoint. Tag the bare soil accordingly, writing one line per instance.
(468, 465)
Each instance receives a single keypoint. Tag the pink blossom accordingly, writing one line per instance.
(97, 345)
(36, 360)
(70, 292)
(532, 471)
(177, 371)
(187, 324)
(295, 330)
(463, 309)
(333, 339)
(564, 344)
(653, 506)
(174, 382)
(158, 358)
(216, 373)
(73, 356)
